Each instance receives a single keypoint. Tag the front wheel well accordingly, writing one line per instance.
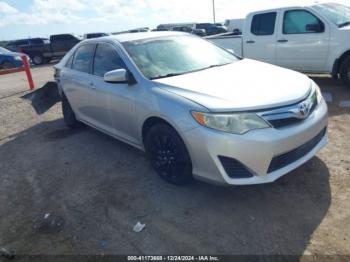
(149, 123)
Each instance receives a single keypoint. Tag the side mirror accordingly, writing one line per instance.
(116, 76)
(317, 28)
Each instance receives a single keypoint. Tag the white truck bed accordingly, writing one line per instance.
(228, 41)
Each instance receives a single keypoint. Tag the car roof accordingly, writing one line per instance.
(138, 36)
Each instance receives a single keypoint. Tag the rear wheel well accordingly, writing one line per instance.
(149, 123)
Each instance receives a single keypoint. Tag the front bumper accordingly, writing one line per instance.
(255, 150)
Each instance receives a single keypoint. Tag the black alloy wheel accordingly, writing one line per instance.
(168, 154)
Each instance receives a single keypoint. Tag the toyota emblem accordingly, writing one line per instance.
(303, 110)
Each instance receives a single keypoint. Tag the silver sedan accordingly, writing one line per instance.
(196, 109)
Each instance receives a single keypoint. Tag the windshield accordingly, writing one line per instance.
(175, 55)
(4, 51)
(336, 13)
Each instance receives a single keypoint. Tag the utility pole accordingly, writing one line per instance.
(214, 11)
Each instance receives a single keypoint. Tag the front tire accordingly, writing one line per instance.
(68, 114)
(168, 154)
(345, 72)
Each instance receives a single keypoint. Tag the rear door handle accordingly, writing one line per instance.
(250, 42)
(282, 41)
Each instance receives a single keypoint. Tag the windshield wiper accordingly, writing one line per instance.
(165, 76)
(197, 70)
(217, 65)
(344, 24)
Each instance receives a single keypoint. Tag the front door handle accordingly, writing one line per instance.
(250, 42)
(282, 41)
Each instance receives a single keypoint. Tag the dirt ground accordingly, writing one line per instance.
(100, 188)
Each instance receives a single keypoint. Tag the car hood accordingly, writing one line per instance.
(240, 86)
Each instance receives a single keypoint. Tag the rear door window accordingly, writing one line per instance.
(83, 58)
(264, 24)
(106, 59)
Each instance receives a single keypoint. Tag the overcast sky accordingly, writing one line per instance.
(31, 18)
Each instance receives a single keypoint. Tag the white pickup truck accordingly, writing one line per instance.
(313, 38)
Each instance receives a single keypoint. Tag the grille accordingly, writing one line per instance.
(286, 159)
(234, 168)
(291, 115)
(284, 122)
(280, 123)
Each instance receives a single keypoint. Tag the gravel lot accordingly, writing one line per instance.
(100, 188)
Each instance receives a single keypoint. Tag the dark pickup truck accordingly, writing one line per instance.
(58, 46)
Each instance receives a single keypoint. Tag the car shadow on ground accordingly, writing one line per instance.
(102, 187)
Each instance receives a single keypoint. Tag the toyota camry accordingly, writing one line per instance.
(195, 109)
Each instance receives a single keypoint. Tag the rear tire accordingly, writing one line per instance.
(168, 154)
(68, 114)
(38, 59)
(345, 72)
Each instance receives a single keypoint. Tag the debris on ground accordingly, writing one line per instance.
(139, 227)
(9, 254)
(43, 98)
(48, 223)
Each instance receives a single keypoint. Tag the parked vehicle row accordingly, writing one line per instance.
(57, 47)
(43, 50)
(135, 30)
(307, 38)
(193, 107)
(16, 45)
(200, 29)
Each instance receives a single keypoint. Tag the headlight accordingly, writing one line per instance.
(318, 92)
(231, 123)
(18, 58)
